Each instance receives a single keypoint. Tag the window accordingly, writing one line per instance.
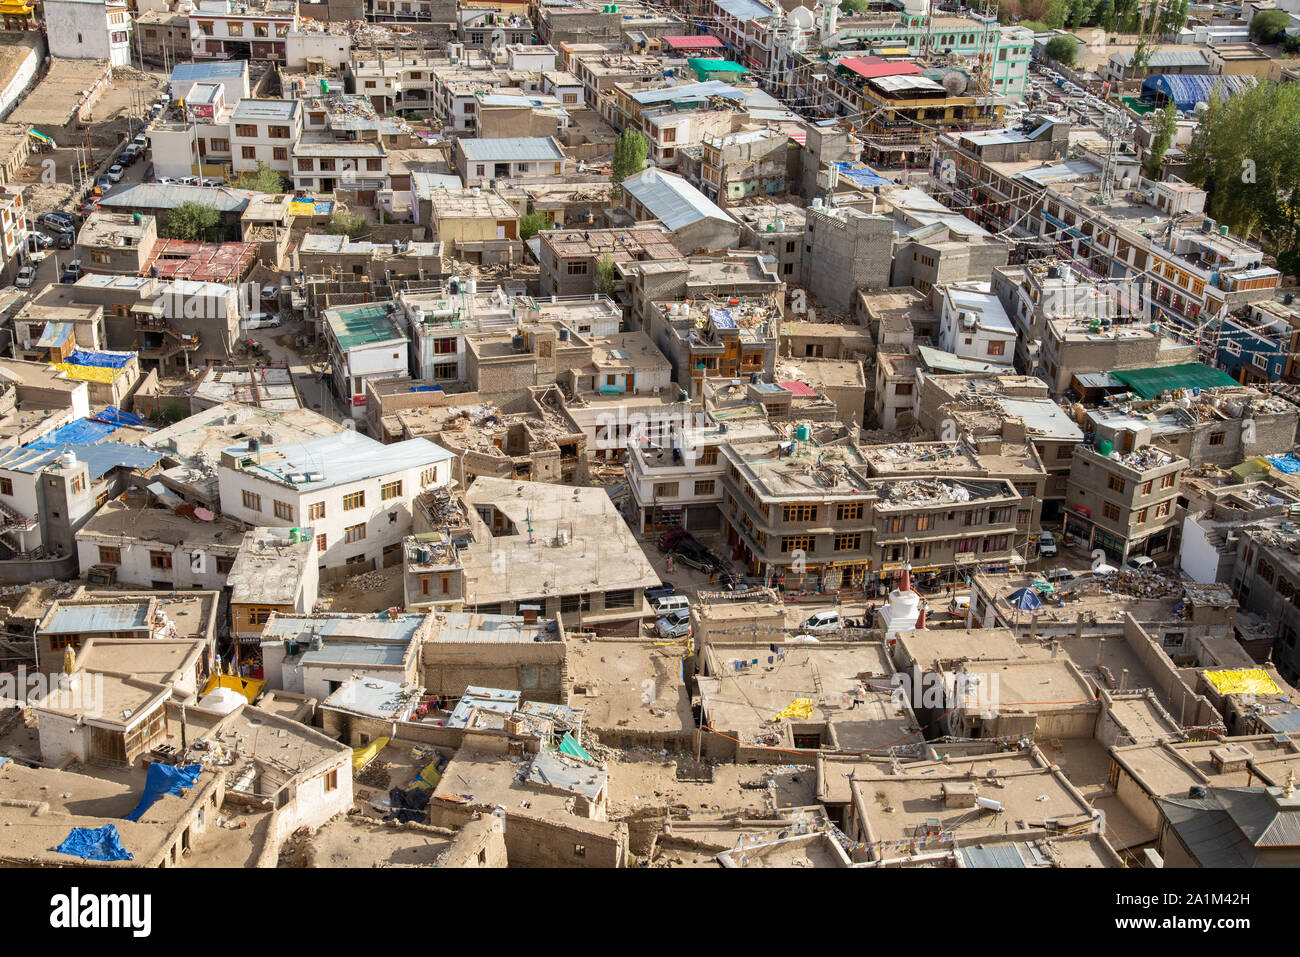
(283, 510)
(224, 564)
(280, 153)
(848, 543)
(429, 476)
(705, 487)
(101, 258)
(1141, 516)
(799, 513)
(391, 490)
(790, 543)
(619, 599)
(1146, 488)
(444, 347)
(278, 132)
(248, 152)
(445, 370)
(709, 456)
(320, 543)
(903, 388)
(1162, 509)
(848, 512)
(110, 555)
(160, 559)
(327, 165)
(304, 165)
(354, 533)
(1216, 438)
(374, 165)
(205, 27)
(1116, 483)
(246, 129)
(1111, 511)
(234, 28)
(252, 501)
(354, 500)
(666, 489)
(332, 780)
(1167, 481)
(577, 268)
(260, 30)
(6, 486)
(219, 146)
(315, 511)
(997, 347)
(59, 642)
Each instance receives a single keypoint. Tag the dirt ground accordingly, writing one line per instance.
(351, 841)
(640, 785)
(234, 843)
(372, 591)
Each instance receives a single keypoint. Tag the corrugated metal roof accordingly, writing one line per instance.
(672, 200)
(1017, 855)
(99, 459)
(1168, 58)
(344, 457)
(865, 68)
(689, 91)
(158, 196)
(1186, 90)
(744, 9)
(118, 616)
(511, 149)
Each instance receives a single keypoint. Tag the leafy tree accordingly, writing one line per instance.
(192, 221)
(531, 224)
(1054, 13)
(344, 222)
(265, 180)
(1245, 153)
(1064, 50)
(1269, 26)
(855, 6)
(1163, 126)
(605, 275)
(630, 151)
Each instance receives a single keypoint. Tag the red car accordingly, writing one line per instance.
(671, 539)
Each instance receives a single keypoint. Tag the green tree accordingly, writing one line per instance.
(531, 224)
(344, 222)
(1245, 153)
(630, 151)
(1163, 126)
(1269, 26)
(192, 221)
(265, 180)
(605, 275)
(855, 6)
(1054, 14)
(1063, 49)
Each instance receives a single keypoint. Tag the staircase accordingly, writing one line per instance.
(174, 341)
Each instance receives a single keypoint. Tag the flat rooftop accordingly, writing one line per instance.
(269, 568)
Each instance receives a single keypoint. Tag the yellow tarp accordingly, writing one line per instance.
(798, 708)
(428, 778)
(88, 373)
(250, 688)
(1242, 681)
(304, 207)
(366, 753)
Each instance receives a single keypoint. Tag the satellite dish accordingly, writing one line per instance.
(1201, 106)
(955, 82)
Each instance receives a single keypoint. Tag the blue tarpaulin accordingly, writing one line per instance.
(1285, 463)
(81, 432)
(95, 844)
(164, 779)
(112, 415)
(1026, 599)
(101, 360)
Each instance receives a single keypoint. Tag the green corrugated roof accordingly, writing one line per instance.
(1149, 383)
(362, 325)
(703, 65)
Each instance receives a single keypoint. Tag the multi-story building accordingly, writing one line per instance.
(845, 250)
(710, 338)
(365, 343)
(234, 29)
(354, 493)
(973, 324)
(265, 131)
(1122, 499)
(483, 162)
(738, 166)
(569, 256)
(89, 30)
(324, 163)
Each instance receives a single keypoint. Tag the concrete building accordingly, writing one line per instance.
(486, 162)
(89, 30)
(845, 251)
(316, 654)
(223, 29)
(1123, 501)
(273, 572)
(569, 257)
(365, 343)
(973, 324)
(695, 222)
(353, 492)
(264, 131)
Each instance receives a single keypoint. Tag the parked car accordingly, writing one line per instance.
(1142, 563)
(128, 156)
(66, 239)
(675, 624)
(115, 173)
(1047, 545)
(71, 272)
(38, 240)
(270, 293)
(692, 553)
(189, 181)
(261, 320)
(823, 622)
(26, 276)
(56, 220)
(667, 604)
(1060, 575)
(105, 182)
(660, 591)
(212, 181)
(168, 181)
(141, 139)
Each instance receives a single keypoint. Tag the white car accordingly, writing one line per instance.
(1047, 545)
(675, 624)
(26, 276)
(824, 622)
(1142, 563)
(115, 172)
(168, 181)
(260, 320)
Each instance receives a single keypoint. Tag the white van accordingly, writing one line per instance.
(670, 603)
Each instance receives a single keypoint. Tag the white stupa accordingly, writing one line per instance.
(904, 611)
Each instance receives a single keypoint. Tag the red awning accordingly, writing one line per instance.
(704, 42)
(872, 70)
